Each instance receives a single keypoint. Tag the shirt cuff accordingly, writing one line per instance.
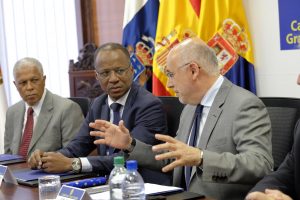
(86, 165)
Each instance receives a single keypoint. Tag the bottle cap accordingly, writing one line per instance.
(119, 160)
(131, 165)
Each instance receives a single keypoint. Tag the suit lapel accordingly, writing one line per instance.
(183, 134)
(105, 115)
(43, 119)
(213, 116)
(214, 113)
(210, 123)
(125, 116)
(129, 102)
(19, 118)
(186, 125)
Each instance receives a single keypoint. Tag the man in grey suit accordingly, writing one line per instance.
(232, 149)
(55, 119)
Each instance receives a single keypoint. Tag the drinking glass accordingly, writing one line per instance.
(49, 187)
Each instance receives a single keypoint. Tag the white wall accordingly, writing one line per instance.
(276, 70)
(45, 30)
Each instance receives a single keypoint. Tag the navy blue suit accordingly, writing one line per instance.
(143, 115)
(287, 176)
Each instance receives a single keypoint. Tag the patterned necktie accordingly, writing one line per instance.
(116, 114)
(193, 141)
(27, 133)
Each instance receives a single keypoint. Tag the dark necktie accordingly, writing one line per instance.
(116, 114)
(27, 133)
(193, 141)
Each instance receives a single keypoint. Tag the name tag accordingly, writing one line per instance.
(72, 193)
(7, 176)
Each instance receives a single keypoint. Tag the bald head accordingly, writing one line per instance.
(195, 50)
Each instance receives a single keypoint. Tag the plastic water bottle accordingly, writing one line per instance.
(133, 185)
(116, 178)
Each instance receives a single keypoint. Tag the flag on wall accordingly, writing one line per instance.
(139, 29)
(222, 24)
(3, 108)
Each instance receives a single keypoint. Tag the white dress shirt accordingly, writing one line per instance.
(207, 102)
(86, 165)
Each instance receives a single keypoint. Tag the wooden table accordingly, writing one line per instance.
(20, 192)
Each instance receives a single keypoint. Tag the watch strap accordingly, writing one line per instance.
(132, 145)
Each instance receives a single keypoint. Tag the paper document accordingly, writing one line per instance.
(150, 189)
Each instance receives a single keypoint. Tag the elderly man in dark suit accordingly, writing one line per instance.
(139, 109)
(284, 183)
(55, 120)
(220, 153)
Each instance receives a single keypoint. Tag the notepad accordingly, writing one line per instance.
(6, 159)
(30, 177)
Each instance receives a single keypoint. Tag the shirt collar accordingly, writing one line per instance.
(38, 106)
(210, 95)
(121, 100)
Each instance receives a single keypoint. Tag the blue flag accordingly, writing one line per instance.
(139, 30)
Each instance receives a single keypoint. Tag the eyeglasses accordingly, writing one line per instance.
(119, 71)
(171, 75)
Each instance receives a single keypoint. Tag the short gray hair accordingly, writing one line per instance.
(26, 61)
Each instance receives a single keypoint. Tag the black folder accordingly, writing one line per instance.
(177, 196)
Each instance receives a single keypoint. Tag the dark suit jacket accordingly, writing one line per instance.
(287, 176)
(58, 122)
(143, 116)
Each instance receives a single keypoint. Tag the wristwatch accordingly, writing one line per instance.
(76, 165)
(132, 145)
(201, 158)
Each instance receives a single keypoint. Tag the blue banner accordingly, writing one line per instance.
(289, 21)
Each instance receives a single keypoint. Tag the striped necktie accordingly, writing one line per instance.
(27, 135)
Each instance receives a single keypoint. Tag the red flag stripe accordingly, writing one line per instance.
(196, 6)
(159, 88)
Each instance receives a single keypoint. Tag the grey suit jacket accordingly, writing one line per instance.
(236, 141)
(59, 120)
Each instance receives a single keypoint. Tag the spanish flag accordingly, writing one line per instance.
(221, 23)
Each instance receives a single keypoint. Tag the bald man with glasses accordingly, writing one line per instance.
(139, 109)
